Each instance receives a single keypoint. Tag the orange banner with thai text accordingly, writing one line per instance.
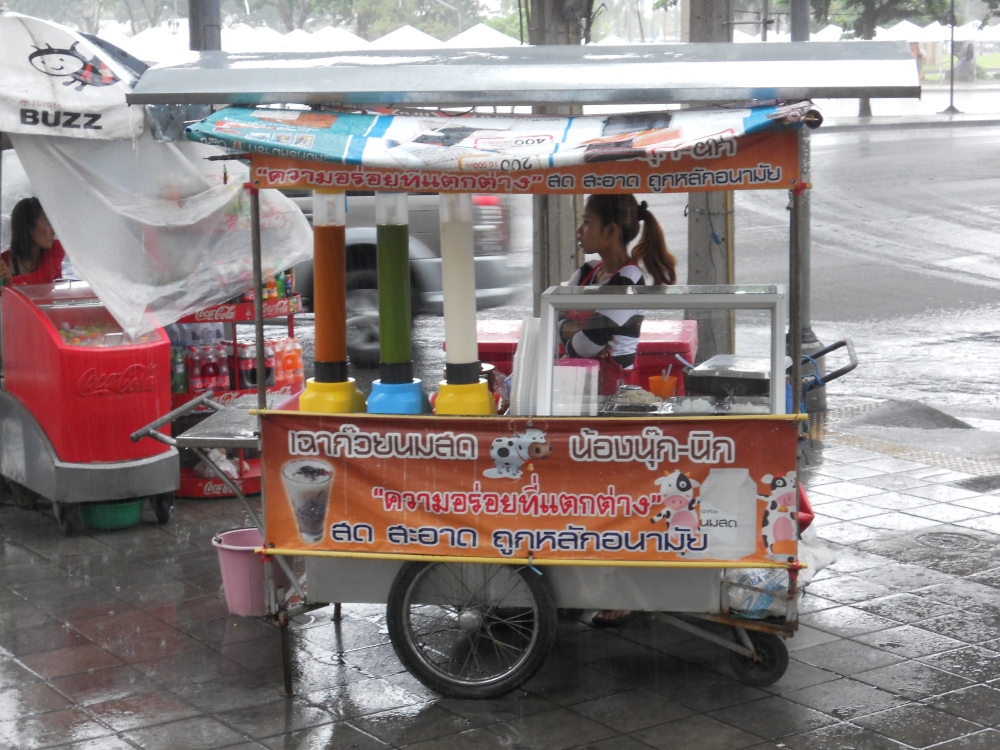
(751, 162)
(621, 490)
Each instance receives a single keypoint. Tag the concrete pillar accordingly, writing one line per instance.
(204, 24)
(710, 220)
(555, 216)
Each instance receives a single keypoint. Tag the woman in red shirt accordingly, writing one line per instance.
(35, 255)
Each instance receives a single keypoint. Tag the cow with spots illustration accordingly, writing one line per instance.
(680, 506)
(510, 454)
(779, 527)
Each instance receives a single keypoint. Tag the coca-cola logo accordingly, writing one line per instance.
(222, 312)
(219, 488)
(133, 379)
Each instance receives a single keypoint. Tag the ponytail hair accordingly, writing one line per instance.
(627, 213)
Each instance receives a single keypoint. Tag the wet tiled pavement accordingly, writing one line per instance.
(122, 639)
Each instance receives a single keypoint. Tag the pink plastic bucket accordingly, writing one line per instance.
(243, 571)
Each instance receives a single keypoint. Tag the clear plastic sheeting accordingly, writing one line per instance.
(15, 187)
(154, 228)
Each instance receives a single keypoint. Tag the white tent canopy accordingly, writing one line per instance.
(968, 32)
(406, 37)
(612, 40)
(159, 43)
(334, 38)
(904, 31)
(480, 36)
(831, 33)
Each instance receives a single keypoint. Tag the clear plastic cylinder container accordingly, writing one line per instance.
(329, 209)
(458, 279)
(391, 208)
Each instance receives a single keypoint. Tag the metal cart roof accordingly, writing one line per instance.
(634, 74)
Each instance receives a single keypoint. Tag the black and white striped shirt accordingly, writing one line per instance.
(620, 328)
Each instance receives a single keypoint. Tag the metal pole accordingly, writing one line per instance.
(810, 341)
(258, 295)
(795, 301)
(764, 12)
(951, 110)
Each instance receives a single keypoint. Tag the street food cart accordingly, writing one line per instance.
(475, 528)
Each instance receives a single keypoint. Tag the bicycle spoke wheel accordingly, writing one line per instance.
(469, 630)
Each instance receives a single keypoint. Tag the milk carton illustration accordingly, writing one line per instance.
(729, 513)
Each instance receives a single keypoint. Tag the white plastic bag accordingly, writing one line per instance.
(156, 229)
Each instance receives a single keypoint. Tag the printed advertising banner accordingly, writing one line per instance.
(663, 151)
(753, 162)
(608, 490)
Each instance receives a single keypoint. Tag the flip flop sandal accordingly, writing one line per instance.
(599, 620)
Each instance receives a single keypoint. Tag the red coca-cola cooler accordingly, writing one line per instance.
(75, 387)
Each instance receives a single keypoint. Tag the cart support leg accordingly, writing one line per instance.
(286, 650)
(709, 636)
(336, 612)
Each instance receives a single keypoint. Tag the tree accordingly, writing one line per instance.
(85, 15)
(143, 14)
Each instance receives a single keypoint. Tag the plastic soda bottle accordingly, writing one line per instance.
(271, 289)
(209, 368)
(299, 377)
(222, 382)
(178, 371)
(280, 376)
(288, 362)
(194, 367)
(269, 363)
(279, 281)
(246, 363)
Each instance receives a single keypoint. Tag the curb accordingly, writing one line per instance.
(843, 124)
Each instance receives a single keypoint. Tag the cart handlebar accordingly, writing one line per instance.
(814, 380)
(180, 411)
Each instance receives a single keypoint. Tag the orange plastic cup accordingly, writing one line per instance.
(661, 386)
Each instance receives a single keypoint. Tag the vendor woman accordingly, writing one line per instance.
(35, 255)
(610, 223)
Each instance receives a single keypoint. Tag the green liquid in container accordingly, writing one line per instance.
(394, 293)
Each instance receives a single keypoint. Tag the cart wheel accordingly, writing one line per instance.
(469, 630)
(164, 506)
(768, 667)
(22, 496)
(69, 516)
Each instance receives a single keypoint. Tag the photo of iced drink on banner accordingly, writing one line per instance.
(307, 483)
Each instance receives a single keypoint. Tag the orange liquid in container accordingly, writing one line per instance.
(329, 292)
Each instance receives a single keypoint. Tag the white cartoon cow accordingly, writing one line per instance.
(511, 453)
(680, 506)
(779, 528)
